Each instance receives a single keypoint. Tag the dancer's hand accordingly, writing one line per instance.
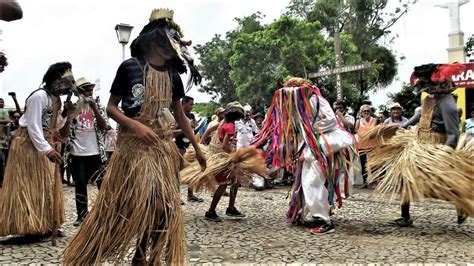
(54, 156)
(145, 134)
(201, 159)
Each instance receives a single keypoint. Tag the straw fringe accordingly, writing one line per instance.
(376, 136)
(139, 192)
(139, 199)
(240, 164)
(416, 170)
(29, 191)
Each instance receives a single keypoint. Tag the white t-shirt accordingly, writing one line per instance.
(111, 140)
(245, 132)
(85, 143)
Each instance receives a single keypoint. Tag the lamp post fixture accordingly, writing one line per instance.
(123, 35)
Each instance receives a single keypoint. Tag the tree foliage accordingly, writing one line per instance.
(205, 109)
(469, 48)
(407, 98)
(215, 59)
(263, 59)
(250, 61)
(368, 23)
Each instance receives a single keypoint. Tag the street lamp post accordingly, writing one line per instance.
(123, 35)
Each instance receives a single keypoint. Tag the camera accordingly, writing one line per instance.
(12, 93)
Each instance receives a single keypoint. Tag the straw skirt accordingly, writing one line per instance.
(32, 197)
(139, 201)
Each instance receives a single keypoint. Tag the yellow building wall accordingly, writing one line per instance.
(461, 102)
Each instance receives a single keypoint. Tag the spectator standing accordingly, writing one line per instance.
(259, 118)
(4, 136)
(383, 115)
(396, 111)
(246, 128)
(365, 122)
(183, 142)
(341, 112)
(86, 143)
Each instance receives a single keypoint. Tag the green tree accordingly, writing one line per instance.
(205, 109)
(407, 98)
(215, 59)
(469, 48)
(263, 59)
(214, 66)
(368, 23)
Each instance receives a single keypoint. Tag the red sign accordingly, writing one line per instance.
(464, 79)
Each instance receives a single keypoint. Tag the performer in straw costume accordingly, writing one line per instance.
(31, 200)
(226, 166)
(139, 199)
(423, 163)
(306, 138)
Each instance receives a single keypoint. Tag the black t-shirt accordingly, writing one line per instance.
(181, 141)
(129, 85)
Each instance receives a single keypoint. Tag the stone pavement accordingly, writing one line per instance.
(362, 234)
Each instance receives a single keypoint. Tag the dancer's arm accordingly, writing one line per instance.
(450, 115)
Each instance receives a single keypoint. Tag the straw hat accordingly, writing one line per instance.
(83, 83)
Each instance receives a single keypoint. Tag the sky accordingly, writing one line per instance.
(82, 32)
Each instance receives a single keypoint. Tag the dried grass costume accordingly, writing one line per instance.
(222, 168)
(32, 200)
(417, 164)
(139, 199)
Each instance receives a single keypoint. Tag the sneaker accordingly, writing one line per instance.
(194, 199)
(323, 229)
(402, 222)
(462, 218)
(233, 212)
(212, 216)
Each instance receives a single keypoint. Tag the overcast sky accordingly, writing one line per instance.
(82, 32)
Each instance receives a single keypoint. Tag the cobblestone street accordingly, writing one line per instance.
(362, 234)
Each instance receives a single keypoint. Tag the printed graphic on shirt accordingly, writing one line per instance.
(85, 121)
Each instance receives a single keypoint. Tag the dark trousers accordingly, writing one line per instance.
(83, 169)
(3, 164)
(363, 164)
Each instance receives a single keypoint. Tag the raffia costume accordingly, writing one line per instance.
(139, 196)
(31, 200)
(139, 200)
(416, 164)
(222, 167)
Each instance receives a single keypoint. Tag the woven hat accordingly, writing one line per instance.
(83, 83)
(395, 105)
(220, 110)
(234, 107)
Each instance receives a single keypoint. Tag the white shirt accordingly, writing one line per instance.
(111, 140)
(245, 132)
(85, 142)
(38, 117)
